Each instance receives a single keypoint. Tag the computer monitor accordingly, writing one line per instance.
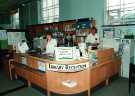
(38, 43)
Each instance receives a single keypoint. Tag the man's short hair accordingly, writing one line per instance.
(94, 28)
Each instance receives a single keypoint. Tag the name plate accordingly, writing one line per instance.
(68, 67)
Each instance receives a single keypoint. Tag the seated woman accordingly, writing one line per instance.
(50, 44)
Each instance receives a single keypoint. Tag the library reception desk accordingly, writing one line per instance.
(66, 77)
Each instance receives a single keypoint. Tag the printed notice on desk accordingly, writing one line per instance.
(23, 60)
(41, 65)
(63, 53)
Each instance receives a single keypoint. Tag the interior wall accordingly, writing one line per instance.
(5, 21)
(73, 9)
(5, 26)
(64, 9)
(28, 14)
(69, 9)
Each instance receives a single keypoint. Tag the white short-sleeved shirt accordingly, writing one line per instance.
(50, 46)
(92, 39)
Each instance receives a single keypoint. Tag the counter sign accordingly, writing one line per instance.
(63, 53)
(68, 67)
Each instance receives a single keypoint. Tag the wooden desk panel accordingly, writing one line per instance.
(37, 78)
(55, 79)
(98, 75)
(32, 76)
(21, 72)
(104, 71)
(32, 62)
(117, 65)
(16, 57)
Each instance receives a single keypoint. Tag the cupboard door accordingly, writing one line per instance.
(21, 72)
(36, 78)
(98, 75)
(6, 67)
(94, 77)
(32, 62)
(102, 73)
(110, 70)
(113, 67)
(117, 64)
(16, 57)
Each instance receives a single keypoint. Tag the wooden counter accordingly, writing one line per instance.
(52, 80)
(103, 71)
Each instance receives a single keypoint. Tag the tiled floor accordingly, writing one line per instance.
(6, 84)
(118, 87)
(26, 92)
(132, 90)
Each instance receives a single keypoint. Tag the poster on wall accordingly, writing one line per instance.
(3, 35)
(41, 66)
(15, 37)
(3, 39)
(108, 33)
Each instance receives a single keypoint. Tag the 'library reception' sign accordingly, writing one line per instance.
(68, 67)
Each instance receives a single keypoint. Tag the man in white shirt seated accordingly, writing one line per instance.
(92, 38)
(50, 44)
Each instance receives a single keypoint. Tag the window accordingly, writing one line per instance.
(15, 20)
(120, 12)
(49, 11)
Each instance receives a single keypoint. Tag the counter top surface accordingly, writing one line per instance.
(50, 59)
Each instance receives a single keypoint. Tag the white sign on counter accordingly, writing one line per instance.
(68, 67)
(41, 65)
(63, 53)
(23, 60)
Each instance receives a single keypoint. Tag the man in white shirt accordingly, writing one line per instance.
(50, 44)
(92, 37)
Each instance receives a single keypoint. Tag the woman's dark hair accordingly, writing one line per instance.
(49, 33)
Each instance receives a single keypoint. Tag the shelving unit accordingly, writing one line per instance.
(82, 29)
(62, 29)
